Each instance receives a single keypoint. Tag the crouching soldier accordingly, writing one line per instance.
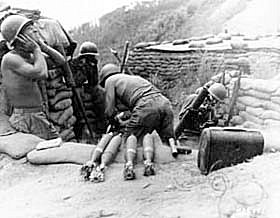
(199, 109)
(22, 68)
(150, 110)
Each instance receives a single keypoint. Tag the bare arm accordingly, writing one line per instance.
(36, 69)
(57, 57)
(17, 64)
(110, 98)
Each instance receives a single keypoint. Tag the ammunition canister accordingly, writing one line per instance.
(111, 150)
(101, 146)
(131, 145)
(148, 147)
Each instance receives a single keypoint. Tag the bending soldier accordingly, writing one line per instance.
(22, 67)
(150, 110)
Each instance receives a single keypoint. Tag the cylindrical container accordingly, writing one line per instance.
(131, 145)
(222, 147)
(101, 146)
(111, 150)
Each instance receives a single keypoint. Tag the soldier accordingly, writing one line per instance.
(205, 115)
(150, 110)
(22, 67)
(86, 77)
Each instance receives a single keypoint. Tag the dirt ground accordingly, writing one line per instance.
(178, 190)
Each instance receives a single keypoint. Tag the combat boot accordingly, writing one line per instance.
(128, 172)
(149, 169)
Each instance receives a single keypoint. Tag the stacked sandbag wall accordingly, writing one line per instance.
(258, 104)
(60, 105)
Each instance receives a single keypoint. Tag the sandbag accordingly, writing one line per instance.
(71, 121)
(18, 144)
(269, 123)
(68, 152)
(54, 116)
(60, 96)
(51, 93)
(63, 104)
(240, 106)
(272, 106)
(65, 132)
(276, 99)
(65, 116)
(267, 86)
(70, 136)
(236, 120)
(276, 93)
(239, 45)
(256, 94)
(255, 111)
(246, 116)
(269, 114)
(251, 101)
(196, 44)
(251, 125)
(55, 83)
(212, 41)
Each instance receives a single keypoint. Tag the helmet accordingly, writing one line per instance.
(12, 25)
(106, 71)
(218, 91)
(198, 90)
(88, 48)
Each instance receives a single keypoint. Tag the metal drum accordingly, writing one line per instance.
(222, 147)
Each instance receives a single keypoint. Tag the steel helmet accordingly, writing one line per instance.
(218, 91)
(12, 26)
(106, 71)
(88, 48)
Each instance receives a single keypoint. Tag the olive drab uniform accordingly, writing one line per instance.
(85, 73)
(150, 110)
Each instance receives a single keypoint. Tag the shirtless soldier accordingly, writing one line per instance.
(22, 67)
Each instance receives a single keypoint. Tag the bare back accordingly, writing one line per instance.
(22, 89)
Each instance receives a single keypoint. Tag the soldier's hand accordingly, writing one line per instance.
(43, 45)
(29, 44)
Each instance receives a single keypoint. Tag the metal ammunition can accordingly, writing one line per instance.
(223, 147)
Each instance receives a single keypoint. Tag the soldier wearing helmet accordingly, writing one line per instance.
(22, 67)
(205, 115)
(150, 110)
(85, 72)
